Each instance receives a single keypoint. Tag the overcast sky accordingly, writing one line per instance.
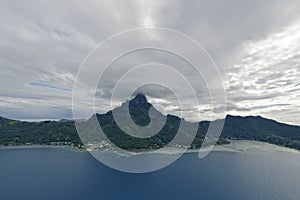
(256, 45)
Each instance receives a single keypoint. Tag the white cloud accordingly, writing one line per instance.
(256, 43)
(267, 75)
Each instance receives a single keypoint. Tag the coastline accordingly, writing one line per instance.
(235, 146)
(38, 146)
(250, 145)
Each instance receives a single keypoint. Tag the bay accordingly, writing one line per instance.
(57, 173)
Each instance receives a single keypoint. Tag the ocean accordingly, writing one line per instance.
(57, 173)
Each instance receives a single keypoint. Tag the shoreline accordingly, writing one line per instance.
(235, 146)
(38, 146)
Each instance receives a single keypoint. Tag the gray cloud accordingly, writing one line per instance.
(256, 44)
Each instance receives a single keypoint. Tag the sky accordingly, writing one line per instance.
(255, 44)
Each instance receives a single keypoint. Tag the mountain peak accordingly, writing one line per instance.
(139, 100)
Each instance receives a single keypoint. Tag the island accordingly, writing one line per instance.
(64, 133)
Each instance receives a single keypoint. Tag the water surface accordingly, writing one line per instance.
(55, 173)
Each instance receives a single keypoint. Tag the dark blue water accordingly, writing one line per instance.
(62, 174)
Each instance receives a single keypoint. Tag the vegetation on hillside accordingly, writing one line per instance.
(14, 132)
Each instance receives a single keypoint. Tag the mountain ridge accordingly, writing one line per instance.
(14, 132)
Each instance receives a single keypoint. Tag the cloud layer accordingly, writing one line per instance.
(256, 44)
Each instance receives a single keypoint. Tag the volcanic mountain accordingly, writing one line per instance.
(129, 125)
